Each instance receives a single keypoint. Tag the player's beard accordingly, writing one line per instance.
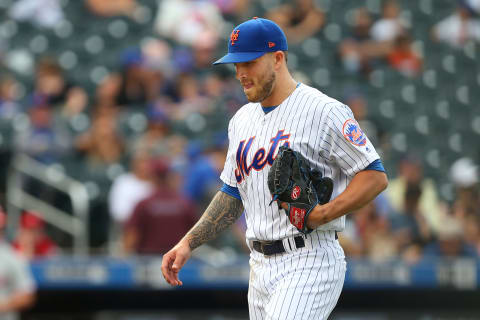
(265, 85)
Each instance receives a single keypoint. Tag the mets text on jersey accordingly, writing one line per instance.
(259, 160)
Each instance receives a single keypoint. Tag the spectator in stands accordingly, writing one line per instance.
(410, 228)
(51, 87)
(9, 105)
(226, 97)
(53, 90)
(203, 52)
(101, 144)
(368, 234)
(17, 289)
(299, 20)
(189, 115)
(43, 140)
(364, 48)
(202, 176)
(76, 102)
(130, 188)
(157, 58)
(466, 207)
(44, 13)
(71, 115)
(450, 242)
(362, 24)
(161, 139)
(350, 241)
(138, 86)
(32, 241)
(185, 21)
(463, 25)
(410, 172)
(160, 220)
(465, 177)
(101, 152)
(390, 26)
(126, 192)
(356, 49)
(235, 10)
(403, 58)
(111, 8)
(107, 91)
(155, 139)
(471, 229)
(213, 86)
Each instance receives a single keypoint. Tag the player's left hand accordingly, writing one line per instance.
(310, 225)
(296, 187)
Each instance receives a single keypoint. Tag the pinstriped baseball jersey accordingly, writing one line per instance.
(321, 128)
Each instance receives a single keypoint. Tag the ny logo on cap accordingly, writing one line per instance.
(234, 36)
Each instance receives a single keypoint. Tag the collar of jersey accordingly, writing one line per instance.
(269, 109)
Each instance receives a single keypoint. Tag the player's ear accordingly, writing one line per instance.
(279, 58)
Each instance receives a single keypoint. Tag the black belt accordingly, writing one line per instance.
(269, 248)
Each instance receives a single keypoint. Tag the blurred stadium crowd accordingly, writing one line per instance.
(121, 95)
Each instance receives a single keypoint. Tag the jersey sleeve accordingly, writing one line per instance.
(228, 173)
(232, 191)
(344, 142)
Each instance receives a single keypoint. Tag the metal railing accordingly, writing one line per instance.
(74, 224)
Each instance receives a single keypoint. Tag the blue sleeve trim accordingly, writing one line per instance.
(376, 165)
(232, 191)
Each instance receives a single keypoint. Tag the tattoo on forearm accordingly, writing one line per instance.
(222, 212)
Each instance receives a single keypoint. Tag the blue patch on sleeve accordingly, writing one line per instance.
(376, 165)
(232, 191)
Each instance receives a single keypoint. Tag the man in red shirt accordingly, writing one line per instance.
(159, 221)
(31, 240)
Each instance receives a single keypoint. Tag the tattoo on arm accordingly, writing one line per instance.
(222, 212)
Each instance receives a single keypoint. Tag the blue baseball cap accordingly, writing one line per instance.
(252, 39)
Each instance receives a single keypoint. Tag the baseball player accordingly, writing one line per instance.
(293, 274)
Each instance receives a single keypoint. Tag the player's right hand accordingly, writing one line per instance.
(174, 260)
